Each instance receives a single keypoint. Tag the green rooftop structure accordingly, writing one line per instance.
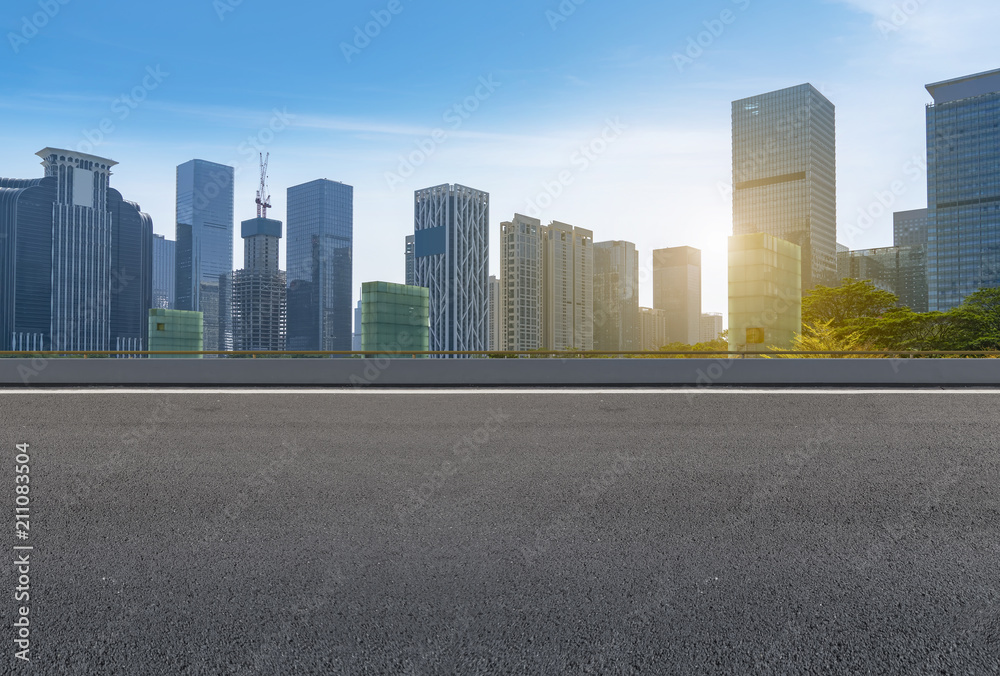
(765, 292)
(394, 317)
(176, 330)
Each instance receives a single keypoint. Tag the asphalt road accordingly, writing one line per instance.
(507, 533)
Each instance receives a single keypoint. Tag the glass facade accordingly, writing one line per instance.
(677, 291)
(785, 174)
(26, 208)
(616, 296)
(176, 330)
(963, 188)
(131, 273)
(164, 269)
(765, 292)
(898, 270)
(394, 317)
(320, 266)
(909, 228)
(204, 249)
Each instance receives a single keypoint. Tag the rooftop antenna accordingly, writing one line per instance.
(263, 203)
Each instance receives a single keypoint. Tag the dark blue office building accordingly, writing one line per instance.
(75, 260)
(320, 266)
(963, 188)
(204, 250)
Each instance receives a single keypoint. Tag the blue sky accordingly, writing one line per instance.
(152, 85)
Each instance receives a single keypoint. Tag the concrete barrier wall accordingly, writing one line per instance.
(500, 372)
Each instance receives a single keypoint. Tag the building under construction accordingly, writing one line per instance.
(260, 306)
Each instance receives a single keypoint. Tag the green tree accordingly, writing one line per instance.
(977, 320)
(822, 337)
(842, 306)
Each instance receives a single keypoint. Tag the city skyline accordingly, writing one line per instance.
(677, 114)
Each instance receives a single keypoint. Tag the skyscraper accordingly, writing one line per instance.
(567, 287)
(616, 297)
(451, 251)
(711, 326)
(494, 313)
(521, 279)
(320, 266)
(785, 175)
(909, 228)
(963, 188)
(259, 289)
(205, 247)
(75, 259)
(652, 329)
(409, 260)
(677, 291)
(164, 272)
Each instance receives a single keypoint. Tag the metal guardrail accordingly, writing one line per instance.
(885, 354)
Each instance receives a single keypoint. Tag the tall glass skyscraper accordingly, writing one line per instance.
(963, 188)
(205, 247)
(320, 266)
(677, 291)
(451, 249)
(785, 175)
(75, 259)
(164, 272)
(616, 296)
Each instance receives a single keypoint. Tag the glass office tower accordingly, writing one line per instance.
(677, 291)
(204, 257)
(75, 259)
(320, 266)
(963, 188)
(616, 296)
(785, 175)
(164, 272)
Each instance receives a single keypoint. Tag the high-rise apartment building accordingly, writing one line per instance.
(451, 259)
(494, 313)
(785, 175)
(260, 290)
(765, 292)
(567, 287)
(164, 272)
(677, 291)
(409, 260)
(204, 249)
(75, 259)
(521, 279)
(616, 297)
(963, 188)
(711, 326)
(320, 266)
(652, 329)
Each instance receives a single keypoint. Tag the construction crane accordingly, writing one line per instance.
(263, 203)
